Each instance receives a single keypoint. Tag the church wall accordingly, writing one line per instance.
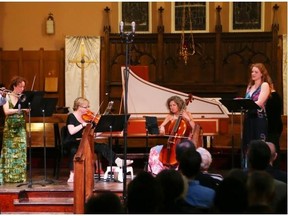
(26, 50)
(22, 24)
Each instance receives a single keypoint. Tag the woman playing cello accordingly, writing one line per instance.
(177, 111)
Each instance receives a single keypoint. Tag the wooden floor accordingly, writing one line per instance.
(47, 194)
(39, 182)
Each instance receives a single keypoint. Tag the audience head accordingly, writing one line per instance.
(237, 174)
(185, 145)
(106, 202)
(261, 189)
(206, 158)
(231, 196)
(273, 152)
(172, 183)
(189, 163)
(144, 194)
(258, 155)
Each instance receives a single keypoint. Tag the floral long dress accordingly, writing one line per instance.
(14, 148)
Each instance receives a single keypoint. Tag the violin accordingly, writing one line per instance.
(90, 117)
(177, 130)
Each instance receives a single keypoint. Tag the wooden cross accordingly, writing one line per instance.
(83, 60)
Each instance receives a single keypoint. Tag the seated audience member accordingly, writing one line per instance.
(259, 155)
(104, 203)
(281, 207)
(185, 145)
(144, 194)
(231, 196)
(173, 187)
(237, 174)
(260, 188)
(198, 196)
(211, 180)
(275, 172)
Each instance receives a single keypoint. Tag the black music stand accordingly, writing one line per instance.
(48, 106)
(111, 123)
(239, 105)
(32, 100)
(151, 128)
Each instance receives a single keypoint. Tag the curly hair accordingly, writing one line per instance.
(15, 81)
(178, 100)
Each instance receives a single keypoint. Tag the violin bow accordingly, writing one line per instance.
(97, 111)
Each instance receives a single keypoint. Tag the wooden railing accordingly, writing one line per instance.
(84, 170)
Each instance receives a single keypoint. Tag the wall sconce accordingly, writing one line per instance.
(50, 25)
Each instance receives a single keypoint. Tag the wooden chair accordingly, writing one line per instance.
(61, 151)
(57, 141)
(60, 148)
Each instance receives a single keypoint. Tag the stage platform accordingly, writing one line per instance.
(47, 195)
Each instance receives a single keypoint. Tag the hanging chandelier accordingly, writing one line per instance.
(187, 46)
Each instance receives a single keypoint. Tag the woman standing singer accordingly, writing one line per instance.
(255, 121)
(13, 153)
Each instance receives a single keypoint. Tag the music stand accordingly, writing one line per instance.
(151, 128)
(43, 107)
(30, 99)
(111, 123)
(239, 105)
(33, 100)
(48, 107)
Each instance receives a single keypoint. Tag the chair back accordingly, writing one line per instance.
(64, 142)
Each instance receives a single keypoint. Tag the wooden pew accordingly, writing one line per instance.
(84, 170)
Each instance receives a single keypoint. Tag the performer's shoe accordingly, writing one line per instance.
(71, 178)
(120, 162)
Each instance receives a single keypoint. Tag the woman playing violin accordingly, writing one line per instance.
(177, 108)
(75, 125)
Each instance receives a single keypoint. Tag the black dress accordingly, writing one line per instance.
(254, 127)
(72, 143)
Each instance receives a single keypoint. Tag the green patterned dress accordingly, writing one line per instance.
(14, 149)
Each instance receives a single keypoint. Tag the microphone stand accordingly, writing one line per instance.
(29, 183)
(146, 164)
(46, 181)
(127, 38)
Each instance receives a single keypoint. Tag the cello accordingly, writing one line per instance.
(178, 129)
